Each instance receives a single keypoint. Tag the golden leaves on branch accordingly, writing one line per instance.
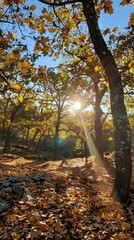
(7, 3)
(32, 7)
(116, 30)
(131, 21)
(124, 2)
(107, 6)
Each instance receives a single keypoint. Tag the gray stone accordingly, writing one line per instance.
(28, 180)
(4, 183)
(13, 179)
(3, 205)
(19, 189)
(6, 190)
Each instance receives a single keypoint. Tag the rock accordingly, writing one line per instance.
(3, 205)
(19, 189)
(28, 180)
(14, 185)
(6, 190)
(4, 183)
(13, 179)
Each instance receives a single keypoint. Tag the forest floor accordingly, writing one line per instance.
(71, 203)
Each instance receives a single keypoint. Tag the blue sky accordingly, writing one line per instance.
(119, 19)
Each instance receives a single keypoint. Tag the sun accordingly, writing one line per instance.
(77, 105)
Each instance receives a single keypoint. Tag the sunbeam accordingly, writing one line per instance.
(90, 143)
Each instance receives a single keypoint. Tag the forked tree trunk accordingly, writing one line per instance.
(120, 119)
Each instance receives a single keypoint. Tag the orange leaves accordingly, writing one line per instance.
(41, 28)
(108, 6)
(16, 87)
(131, 21)
(70, 24)
(124, 2)
(33, 7)
(106, 31)
(49, 17)
(7, 3)
(77, 210)
(9, 35)
(116, 30)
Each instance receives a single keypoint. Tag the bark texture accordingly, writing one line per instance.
(120, 119)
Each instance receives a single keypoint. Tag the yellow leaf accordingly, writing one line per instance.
(118, 216)
(33, 7)
(11, 83)
(132, 70)
(116, 30)
(107, 84)
(71, 24)
(66, 14)
(41, 28)
(132, 3)
(11, 56)
(110, 139)
(103, 215)
(17, 87)
(20, 99)
(76, 40)
(26, 64)
(97, 69)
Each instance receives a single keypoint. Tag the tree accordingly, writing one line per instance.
(56, 85)
(122, 135)
(90, 81)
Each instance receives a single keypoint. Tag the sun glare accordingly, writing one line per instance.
(77, 105)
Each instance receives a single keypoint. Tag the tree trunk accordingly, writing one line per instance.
(56, 143)
(98, 114)
(98, 130)
(7, 140)
(121, 124)
(9, 129)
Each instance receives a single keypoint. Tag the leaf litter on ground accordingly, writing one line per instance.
(72, 203)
